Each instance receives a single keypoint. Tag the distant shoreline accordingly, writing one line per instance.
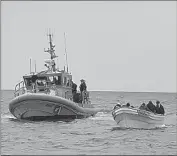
(128, 91)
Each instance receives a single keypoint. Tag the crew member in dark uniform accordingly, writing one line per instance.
(83, 87)
(74, 87)
(74, 92)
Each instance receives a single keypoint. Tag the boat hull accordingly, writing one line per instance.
(135, 118)
(37, 107)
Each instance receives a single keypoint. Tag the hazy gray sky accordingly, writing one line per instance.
(123, 46)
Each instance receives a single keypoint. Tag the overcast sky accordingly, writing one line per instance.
(113, 45)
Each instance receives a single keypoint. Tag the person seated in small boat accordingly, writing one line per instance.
(159, 108)
(117, 106)
(127, 105)
(143, 106)
(151, 107)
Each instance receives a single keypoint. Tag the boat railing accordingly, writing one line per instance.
(20, 89)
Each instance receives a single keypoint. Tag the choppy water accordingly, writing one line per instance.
(95, 135)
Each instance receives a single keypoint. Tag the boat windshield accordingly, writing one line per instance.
(41, 81)
(49, 80)
(54, 80)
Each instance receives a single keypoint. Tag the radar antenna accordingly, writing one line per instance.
(51, 51)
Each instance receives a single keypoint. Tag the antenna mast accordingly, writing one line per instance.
(35, 66)
(51, 51)
(30, 65)
(66, 53)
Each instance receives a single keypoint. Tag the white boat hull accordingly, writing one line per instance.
(135, 118)
(46, 107)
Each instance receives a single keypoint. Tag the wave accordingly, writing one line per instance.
(162, 127)
(7, 116)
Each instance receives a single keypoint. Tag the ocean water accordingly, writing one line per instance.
(98, 135)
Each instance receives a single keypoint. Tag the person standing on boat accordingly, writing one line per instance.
(83, 89)
(159, 108)
(74, 87)
(74, 92)
(118, 105)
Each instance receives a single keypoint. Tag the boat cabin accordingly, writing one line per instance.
(60, 82)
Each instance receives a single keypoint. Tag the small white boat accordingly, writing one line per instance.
(128, 117)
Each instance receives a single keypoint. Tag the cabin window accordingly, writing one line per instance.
(42, 78)
(59, 80)
(68, 82)
(51, 79)
(54, 80)
(28, 81)
(41, 82)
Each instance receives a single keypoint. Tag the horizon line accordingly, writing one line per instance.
(114, 91)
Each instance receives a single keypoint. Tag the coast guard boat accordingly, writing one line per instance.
(47, 95)
(130, 117)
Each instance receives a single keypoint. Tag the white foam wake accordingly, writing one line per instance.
(8, 116)
(102, 116)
